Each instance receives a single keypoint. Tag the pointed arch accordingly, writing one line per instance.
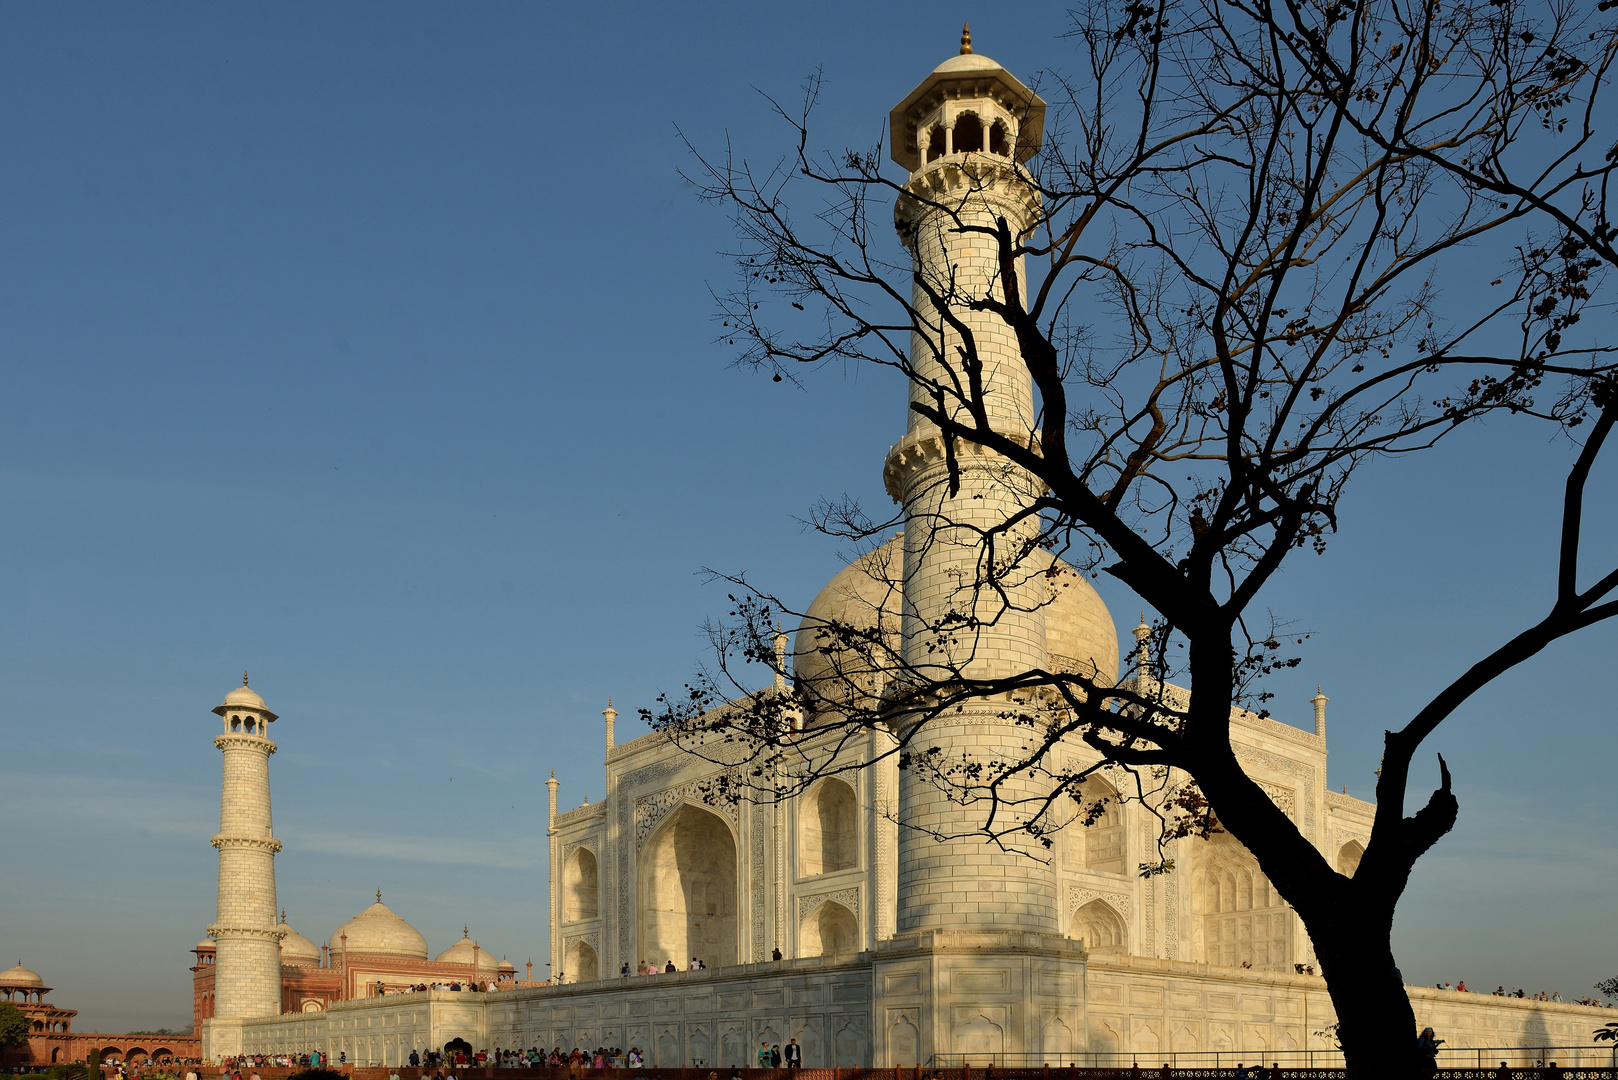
(829, 832)
(967, 135)
(1100, 927)
(1349, 856)
(583, 963)
(688, 890)
(581, 890)
(1095, 832)
(828, 930)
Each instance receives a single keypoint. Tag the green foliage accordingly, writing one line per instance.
(13, 1025)
(1608, 988)
(317, 1074)
(69, 1070)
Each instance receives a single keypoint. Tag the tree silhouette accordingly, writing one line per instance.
(1230, 297)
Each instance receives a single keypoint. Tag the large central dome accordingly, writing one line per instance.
(867, 595)
(378, 930)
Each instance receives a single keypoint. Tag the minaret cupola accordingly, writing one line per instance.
(244, 713)
(968, 105)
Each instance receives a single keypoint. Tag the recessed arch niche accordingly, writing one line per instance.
(688, 891)
(1349, 856)
(1100, 927)
(1094, 834)
(829, 837)
(581, 892)
(828, 930)
(583, 963)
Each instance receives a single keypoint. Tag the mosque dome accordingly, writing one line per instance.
(463, 951)
(20, 976)
(296, 947)
(867, 595)
(378, 930)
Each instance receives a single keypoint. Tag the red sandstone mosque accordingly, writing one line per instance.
(374, 953)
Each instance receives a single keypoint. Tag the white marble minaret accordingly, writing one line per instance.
(962, 133)
(247, 973)
(978, 962)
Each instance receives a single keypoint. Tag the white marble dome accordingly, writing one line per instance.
(378, 930)
(464, 950)
(868, 593)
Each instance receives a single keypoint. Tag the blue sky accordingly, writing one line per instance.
(368, 348)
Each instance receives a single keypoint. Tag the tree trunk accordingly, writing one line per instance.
(1376, 1024)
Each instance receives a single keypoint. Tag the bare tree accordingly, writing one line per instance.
(1232, 295)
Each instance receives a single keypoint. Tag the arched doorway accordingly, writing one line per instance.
(457, 1045)
(688, 890)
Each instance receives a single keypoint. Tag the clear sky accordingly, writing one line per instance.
(368, 348)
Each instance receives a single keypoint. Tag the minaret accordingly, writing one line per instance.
(1319, 702)
(610, 715)
(247, 967)
(962, 134)
(555, 877)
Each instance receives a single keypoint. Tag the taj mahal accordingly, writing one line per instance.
(838, 917)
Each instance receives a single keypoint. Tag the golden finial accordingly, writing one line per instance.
(283, 914)
(379, 896)
(244, 678)
(466, 931)
(966, 38)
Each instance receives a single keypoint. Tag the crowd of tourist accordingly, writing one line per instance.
(1501, 991)
(649, 967)
(488, 986)
(575, 1062)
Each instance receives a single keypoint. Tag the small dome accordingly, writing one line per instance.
(463, 951)
(967, 62)
(205, 945)
(867, 596)
(243, 697)
(20, 976)
(378, 930)
(506, 965)
(295, 947)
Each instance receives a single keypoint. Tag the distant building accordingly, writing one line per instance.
(52, 1040)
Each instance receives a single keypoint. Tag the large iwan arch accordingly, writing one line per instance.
(688, 895)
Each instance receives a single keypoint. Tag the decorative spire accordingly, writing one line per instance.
(244, 678)
(966, 38)
(466, 930)
(780, 660)
(379, 896)
(283, 914)
(1143, 652)
(1319, 702)
(611, 716)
